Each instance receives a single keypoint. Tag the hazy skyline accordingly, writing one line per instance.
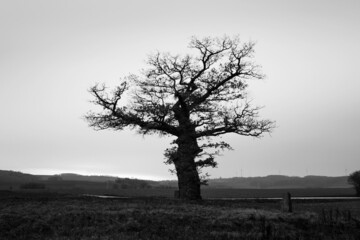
(52, 52)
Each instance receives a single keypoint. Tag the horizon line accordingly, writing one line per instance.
(153, 178)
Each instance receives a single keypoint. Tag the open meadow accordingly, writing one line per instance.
(50, 215)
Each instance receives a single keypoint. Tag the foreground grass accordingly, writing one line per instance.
(72, 217)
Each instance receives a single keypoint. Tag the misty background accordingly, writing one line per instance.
(52, 52)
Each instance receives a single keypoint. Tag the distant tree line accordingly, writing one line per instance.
(16, 177)
(127, 183)
(55, 178)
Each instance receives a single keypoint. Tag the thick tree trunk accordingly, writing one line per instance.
(188, 177)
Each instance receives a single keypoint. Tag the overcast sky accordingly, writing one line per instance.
(52, 51)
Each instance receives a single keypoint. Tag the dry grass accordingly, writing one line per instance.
(71, 217)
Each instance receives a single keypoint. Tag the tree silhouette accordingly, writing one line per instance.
(354, 179)
(194, 98)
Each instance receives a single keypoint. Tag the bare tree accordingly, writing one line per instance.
(194, 98)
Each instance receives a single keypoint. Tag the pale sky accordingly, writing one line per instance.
(52, 52)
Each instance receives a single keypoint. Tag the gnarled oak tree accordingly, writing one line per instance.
(193, 98)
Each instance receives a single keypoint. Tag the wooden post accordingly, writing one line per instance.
(287, 204)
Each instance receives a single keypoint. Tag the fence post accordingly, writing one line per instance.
(287, 204)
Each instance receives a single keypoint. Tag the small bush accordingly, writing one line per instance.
(354, 179)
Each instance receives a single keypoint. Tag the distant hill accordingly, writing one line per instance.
(16, 177)
(78, 177)
(8, 178)
(280, 181)
(16, 180)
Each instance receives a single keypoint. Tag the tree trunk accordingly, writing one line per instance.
(188, 176)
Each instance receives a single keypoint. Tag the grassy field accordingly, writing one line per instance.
(239, 193)
(45, 215)
(206, 192)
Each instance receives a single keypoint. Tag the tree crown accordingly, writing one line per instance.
(207, 89)
(201, 96)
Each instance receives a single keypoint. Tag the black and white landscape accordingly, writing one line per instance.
(179, 119)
